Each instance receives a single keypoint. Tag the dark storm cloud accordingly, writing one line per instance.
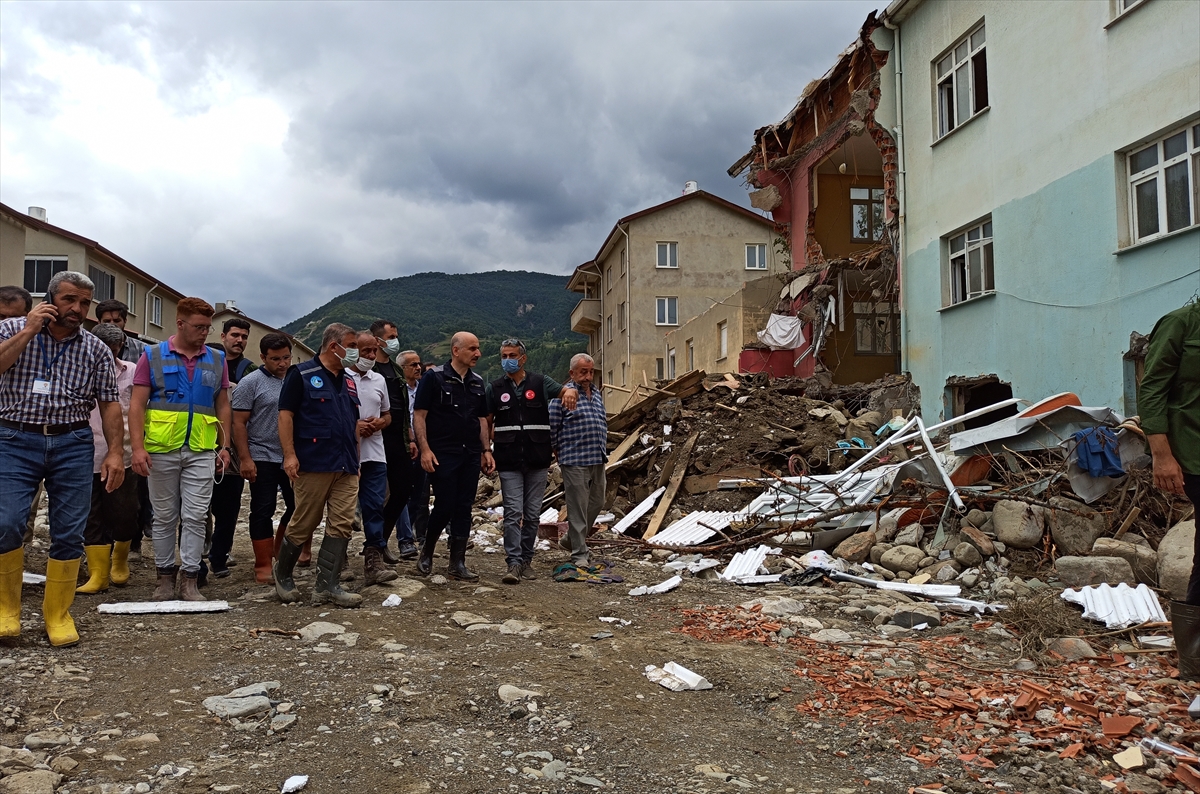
(448, 136)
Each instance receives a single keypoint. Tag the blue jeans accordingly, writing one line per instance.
(65, 463)
(454, 483)
(372, 491)
(522, 492)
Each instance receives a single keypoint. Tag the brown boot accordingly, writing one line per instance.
(165, 591)
(305, 554)
(375, 570)
(262, 560)
(188, 591)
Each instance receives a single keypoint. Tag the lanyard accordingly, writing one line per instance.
(50, 362)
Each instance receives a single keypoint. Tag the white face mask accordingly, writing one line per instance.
(364, 364)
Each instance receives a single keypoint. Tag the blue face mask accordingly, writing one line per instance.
(510, 365)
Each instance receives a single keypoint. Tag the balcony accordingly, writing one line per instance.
(585, 317)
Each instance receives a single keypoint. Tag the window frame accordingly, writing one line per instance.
(672, 257)
(723, 340)
(760, 256)
(156, 311)
(690, 354)
(663, 304)
(985, 245)
(608, 328)
(875, 225)
(1189, 158)
(54, 260)
(131, 297)
(622, 317)
(969, 64)
(867, 318)
(100, 276)
(671, 364)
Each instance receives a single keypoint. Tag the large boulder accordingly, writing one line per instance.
(1175, 559)
(856, 548)
(902, 558)
(1142, 559)
(1085, 571)
(1019, 525)
(1074, 526)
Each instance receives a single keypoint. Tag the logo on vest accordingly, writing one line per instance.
(316, 381)
(505, 397)
(529, 395)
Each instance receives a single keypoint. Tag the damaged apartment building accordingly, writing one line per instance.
(990, 196)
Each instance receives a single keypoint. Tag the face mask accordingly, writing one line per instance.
(510, 365)
(392, 348)
(364, 364)
(350, 358)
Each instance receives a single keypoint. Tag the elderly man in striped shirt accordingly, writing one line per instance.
(579, 439)
(52, 373)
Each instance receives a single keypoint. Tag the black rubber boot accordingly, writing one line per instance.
(425, 561)
(458, 561)
(285, 563)
(330, 561)
(1185, 625)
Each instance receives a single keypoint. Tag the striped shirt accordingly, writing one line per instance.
(579, 437)
(79, 368)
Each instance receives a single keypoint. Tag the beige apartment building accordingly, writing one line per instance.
(657, 269)
(714, 339)
(32, 251)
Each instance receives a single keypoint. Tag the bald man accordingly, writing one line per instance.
(450, 420)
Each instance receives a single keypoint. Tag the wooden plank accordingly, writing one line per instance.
(624, 446)
(1127, 523)
(681, 465)
(706, 483)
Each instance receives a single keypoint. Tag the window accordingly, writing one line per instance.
(622, 373)
(608, 279)
(106, 283)
(608, 326)
(691, 355)
(874, 328)
(1164, 184)
(610, 377)
(39, 270)
(668, 255)
(621, 315)
(756, 257)
(723, 339)
(971, 263)
(866, 214)
(131, 297)
(667, 312)
(962, 85)
(1125, 5)
(156, 310)
(671, 364)
(623, 261)
(658, 369)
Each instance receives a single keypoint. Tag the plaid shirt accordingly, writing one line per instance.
(81, 374)
(580, 437)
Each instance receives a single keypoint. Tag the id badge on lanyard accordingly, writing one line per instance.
(42, 385)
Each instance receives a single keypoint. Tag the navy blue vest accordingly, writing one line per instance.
(522, 424)
(324, 426)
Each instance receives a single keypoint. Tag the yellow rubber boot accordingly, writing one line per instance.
(98, 563)
(12, 566)
(61, 576)
(119, 574)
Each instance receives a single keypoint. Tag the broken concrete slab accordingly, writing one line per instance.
(226, 707)
(318, 629)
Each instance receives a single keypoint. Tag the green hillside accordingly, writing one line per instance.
(429, 307)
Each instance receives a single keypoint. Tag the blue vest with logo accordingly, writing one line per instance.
(323, 429)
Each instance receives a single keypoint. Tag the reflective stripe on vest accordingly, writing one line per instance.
(182, 410)
(500, 429)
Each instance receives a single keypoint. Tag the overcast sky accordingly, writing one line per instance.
(283, 153)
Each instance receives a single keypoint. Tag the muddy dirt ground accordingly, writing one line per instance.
(410, 704)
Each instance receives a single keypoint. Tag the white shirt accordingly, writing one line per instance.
(412, 401)
(373, 401)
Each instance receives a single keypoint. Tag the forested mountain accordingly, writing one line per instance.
(429, 307)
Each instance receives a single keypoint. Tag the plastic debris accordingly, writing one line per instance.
(32, 578)
(294, 783)
(1117, 607)
(162, 607)
(676, 677)
(392, 601)
(823, 560)
(661, 587)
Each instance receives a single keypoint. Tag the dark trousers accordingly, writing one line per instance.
(269, 482)
(415, 518)
(1191, 487)
(225, 505)
(399, 487)
(454, 483)
(114, 516)
(372, 485)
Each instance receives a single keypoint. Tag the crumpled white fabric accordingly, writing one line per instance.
(783, 332)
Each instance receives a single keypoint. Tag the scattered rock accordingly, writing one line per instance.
(1074, 534)
(776, 606)
(39, 781)
(856, 548)
(1018, 524)
(1084, 571)
(43, 740)
(225, 707)
(887, 528)
(511, 694)
(977, 539)
(1071, 648)
(138, 742)
(281, 722)
(438, 579)
(262, 689)
(967, 555)
(1175, 559)
(909, 536)
(521, 628)
(465, 619)
(976, 518)
(1142, 559)
(902, 558)
(915, 615)
(831, 636)
(63, 764)
(315, 631)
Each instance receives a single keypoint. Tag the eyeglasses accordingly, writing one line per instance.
(205, 328)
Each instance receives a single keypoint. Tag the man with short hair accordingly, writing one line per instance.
(398, 443)
(227, 493)
(115, 312)
(449, 417)
(113, 520)
(518, 414)
(579, 438)
(374, 417)
(260, 457)
(178, 417)
(14, 302)
(52, 373)
(318, 430)
(415, 516)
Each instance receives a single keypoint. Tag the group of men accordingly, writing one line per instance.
(125, 434)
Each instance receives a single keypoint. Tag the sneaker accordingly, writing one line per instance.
(408, 550)
(527, 571)
(513, 576)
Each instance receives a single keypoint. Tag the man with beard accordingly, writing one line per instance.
(227, 493)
